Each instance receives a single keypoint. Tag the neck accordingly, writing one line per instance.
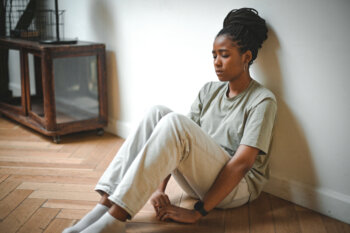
(239, 85)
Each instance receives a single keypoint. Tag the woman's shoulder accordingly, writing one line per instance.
(260, 93)
(211, 90)
(213, 86)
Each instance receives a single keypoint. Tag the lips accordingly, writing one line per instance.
(219, 71)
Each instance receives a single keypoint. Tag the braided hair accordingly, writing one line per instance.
(246, 28)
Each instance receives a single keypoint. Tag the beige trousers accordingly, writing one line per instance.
(166, 143)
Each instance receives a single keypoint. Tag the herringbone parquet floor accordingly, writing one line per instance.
(45, 187)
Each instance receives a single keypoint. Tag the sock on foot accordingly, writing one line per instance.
(106, 224)
(88, 219)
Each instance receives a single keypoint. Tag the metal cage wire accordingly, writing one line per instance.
(42, 25)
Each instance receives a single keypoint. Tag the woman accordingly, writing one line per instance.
(218, 154)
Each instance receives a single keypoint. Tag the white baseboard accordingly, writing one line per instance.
(325, 201)
(119, 128)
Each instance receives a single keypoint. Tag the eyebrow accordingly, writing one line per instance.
(220, 50)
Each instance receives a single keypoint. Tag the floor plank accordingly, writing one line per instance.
(16, 135)
(3, 177)
(261, 218)
(72, 213)
(70, 204)
(40, 166)
(39, 221)
(214, 221)
(333, 225)
(83, 151)
(20, 215)
(237, 220)
(55, 179)
(7, 124)
(71, 195)
(34, 154)
(8, 204)
(57, 186)
(310, 221)
(41, 145)
(7, 187)
(106, 161)
(39, 159)
(70, 147)
(66, 172)
(168, 228)
(103, 147)
(285, 216)
(58, 225)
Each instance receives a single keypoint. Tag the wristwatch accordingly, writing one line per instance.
(199, 206)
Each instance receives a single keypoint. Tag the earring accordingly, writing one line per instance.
(245, 67)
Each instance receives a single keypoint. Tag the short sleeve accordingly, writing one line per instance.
(259, 125)
(197, 105)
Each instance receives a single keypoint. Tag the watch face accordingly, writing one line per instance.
(199, 207)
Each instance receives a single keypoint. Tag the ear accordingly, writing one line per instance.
(247, 56)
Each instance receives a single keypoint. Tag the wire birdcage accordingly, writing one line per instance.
(30, 21)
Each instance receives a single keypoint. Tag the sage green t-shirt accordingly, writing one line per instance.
(247, 118)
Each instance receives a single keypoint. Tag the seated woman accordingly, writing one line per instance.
(218, 154)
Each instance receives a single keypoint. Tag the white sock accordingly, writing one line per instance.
(106, 224)
(88, 219)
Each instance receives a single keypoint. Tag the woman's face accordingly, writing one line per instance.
(228, 62)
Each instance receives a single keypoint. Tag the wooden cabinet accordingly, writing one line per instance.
(55, 89)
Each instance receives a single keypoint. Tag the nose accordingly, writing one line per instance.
(217, 62)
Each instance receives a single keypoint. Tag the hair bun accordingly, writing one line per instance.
(249, 18)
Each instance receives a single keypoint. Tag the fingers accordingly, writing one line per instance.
(167, 200)
(164, 214)
(161, 201)
(160, 213)
(164, 200)
(165, 217)
(156, 209)
(177, 214)
(167, 213)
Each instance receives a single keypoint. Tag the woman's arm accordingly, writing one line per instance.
(163, 185)
(228, 178)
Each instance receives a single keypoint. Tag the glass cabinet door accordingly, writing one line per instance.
(11, 88)
(76, 88)
(35, 85)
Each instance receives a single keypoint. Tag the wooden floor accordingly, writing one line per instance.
(46, 187)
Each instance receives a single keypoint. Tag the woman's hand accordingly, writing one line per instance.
(178, 214)
(159, 200)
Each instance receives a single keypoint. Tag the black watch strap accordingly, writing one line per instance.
(199, 206)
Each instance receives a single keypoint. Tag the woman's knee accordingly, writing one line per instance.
(177, 118)
(159, 110)
(177, 122)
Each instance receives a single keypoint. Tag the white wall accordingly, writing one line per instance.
(159, 52)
